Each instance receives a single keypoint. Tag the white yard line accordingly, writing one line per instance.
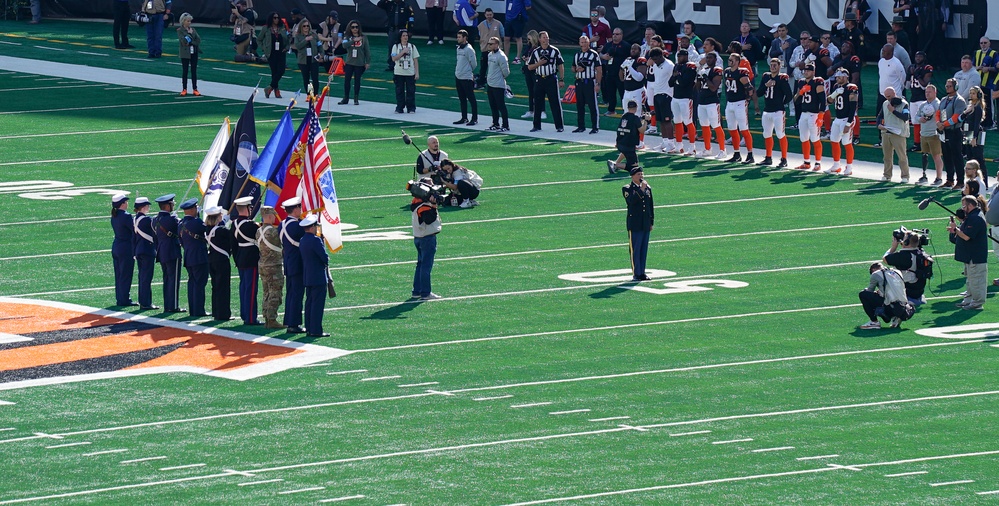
(958, 482)
(492, 398)
(310, 489)
(338, 499)
(115, 489)
(175, 468)
(609, 418)
(730, 441)
(105, 452)
(818, 457)
(777, 449)
(261, 482)
(379, 378)
(355, 371)
(913, 473)
(530, 405)
(107, 157)
(117, 106)
(146, 459)
(92, 54)
(693, 433)
(427, 384)
(39, 88)
(229, 70)
(569, 412)
(81, 443)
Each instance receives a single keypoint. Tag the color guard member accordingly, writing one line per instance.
(315, 275)
(122, 250)
(246, 257)
(220, 248)
(168, 252)
(271, 255)
(145, 252)
(192, 238)
(291, 235)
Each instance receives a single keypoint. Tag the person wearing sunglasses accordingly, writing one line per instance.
(356, 60)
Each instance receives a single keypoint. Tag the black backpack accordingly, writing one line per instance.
(923, 265)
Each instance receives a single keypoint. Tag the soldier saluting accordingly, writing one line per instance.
(641, 218)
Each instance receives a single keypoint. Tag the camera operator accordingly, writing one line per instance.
(971, 248)
(910, 261)
(426, 226)
(244, 35)
(463, 183)
(430, 159)
(885, 297)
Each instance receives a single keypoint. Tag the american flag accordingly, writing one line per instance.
(318, 190)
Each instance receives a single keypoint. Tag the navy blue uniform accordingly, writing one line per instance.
(291, 235)
(144, 249)
(641, 218)
(246, 257)
(315, 261)
(122, 254)
(192, 238)
(168, 254)
(220, 247)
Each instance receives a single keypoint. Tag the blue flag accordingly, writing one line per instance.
(270, 158)
(276, 181)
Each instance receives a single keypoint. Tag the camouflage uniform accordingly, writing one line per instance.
(271, 277)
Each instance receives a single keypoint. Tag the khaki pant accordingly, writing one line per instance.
(894, 143)
(978, 280)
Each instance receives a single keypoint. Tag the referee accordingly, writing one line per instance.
(545, 61)
(586, 65)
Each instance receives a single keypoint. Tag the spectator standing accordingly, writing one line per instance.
(949, 123)
(36, 12)
(920, 76)
(547, 63)
(782, 46)
(971, 248)
(516, 22)
(243, 32)
(465, 17)
(683, 45)
(891, 74)
(893, 122)
(464, 79)
(688, 30)
(489, 27)
(529, 75)
(356, 61)
(924, 118)
(309, 46)
(987, 64)
(588, 72)
(274, 39)
(826, 42)
(899, 51)
(190, 46)
(499, 70)
(400, 18)
(596, 32)
(752, 48)
(973, 115)
(613, 56)
(331, 34)
(155, 9)
(407, 72)
(119, 30)
(435, 20)
(966, 77)
(904, 22)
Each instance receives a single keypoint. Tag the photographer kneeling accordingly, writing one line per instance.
(911, 261)
(463, 183)
(885, 297)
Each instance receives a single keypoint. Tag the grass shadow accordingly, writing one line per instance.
(396, 312)
(611, 291)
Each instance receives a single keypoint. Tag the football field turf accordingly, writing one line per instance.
(736, 376)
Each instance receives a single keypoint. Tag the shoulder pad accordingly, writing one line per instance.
(783, 77)
(691, 65)
(823, 52)
(852, 88)
(818, 81)
(928, 68)
(640, 61)
(855, 59)
(744, 72)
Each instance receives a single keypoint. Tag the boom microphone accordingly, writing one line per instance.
(925, 203)
(406, 138)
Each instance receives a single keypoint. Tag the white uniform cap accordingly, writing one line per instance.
(244, 201)
(211, 211)
(309, 221)
(292, 202)
(119, 198)
(141, 201)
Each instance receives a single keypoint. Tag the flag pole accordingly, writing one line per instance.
(232, 205)
(195, 179)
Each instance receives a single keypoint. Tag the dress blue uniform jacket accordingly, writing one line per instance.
(291, 254)
(167, 237)
(315, 259)
(143, 246)
(246, 253)
(124, 233)
(192, 236)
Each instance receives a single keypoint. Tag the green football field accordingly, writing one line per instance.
(736, 376)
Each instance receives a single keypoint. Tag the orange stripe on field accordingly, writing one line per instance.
(28, 318)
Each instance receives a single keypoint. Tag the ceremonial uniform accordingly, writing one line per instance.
(168, 254)
(144, 249)
(587, 64)
(291, 235)
(192, 238)
(271, 256)
(546, 84)
(122, 252)
(220, 248)
(776, 93)
(315, 264)
(641, 218)
(246, 257)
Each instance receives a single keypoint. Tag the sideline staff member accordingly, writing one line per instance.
(426, 226)
(628, 137)
(972, 248)
(641, 218)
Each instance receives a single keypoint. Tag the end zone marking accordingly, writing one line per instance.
(338, 499)
(690, 433)
(817, 457)
(609, 418)
(427, 384)
(81, 443)
(529, 405)
(381, 378)
(335, 373)
(746, 440)
(492, 398)
(146, 459)
(310, 489)
(913, 473)
(958, 482)
(275, 480)
(569, 412)
(188, 466)
(105, 452)
(777, 449)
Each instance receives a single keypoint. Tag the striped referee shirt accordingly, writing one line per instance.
(554, 57)
(588, 61)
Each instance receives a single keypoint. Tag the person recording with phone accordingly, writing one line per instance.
(641, 218)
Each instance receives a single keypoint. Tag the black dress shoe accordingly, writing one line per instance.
(223, 319)
(595, 130)
(559, 130)
(472, 123)
(148, 308)
(579, 130)
(343, 102)
(176, 310)
(462, 121)
(535, 129)
(127, 46)
(199, 315)
(296, 330)
(324, 334)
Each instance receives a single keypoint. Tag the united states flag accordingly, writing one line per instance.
(318, 190)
